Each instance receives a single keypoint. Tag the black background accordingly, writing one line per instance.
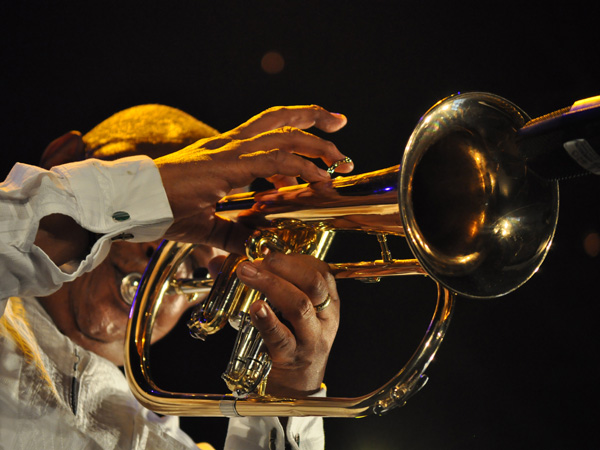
(516, 372)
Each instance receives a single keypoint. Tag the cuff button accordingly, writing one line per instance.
(120, 216)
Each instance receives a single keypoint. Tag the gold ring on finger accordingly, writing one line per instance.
(337, 164)
(321, 306)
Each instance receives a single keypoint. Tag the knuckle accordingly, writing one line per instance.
(297, 308)
(329, 146)
(328, 277)
(304, 308)
(274, 157)
(274, 259)
(320, 266)
(316, 108)
(318, 286)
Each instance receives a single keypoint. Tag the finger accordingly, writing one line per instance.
(266, 164)
(206, 260)
(215, 264)
(295, 306)
(303, 117)
(310, 275)
(295, 140)
(282, 181)
(278, 338)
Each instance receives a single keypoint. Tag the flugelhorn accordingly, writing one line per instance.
(478, 221)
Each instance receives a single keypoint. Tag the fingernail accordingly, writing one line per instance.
(249, 270)
(261, 312)
(338, 115)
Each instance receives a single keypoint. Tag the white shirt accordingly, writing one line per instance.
(90, 192)
(57, 395)
(53, 393)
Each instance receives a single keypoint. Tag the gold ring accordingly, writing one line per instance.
(337, 164)
(321, 306)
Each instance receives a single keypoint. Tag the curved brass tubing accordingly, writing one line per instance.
(478, 222)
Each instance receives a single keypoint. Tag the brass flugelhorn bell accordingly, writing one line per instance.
(477, 220)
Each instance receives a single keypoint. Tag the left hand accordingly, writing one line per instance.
(294, 284)
(271, 145)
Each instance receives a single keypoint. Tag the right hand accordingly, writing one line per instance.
(266, 146)
(300, 340)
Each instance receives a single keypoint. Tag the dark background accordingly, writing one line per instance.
(516, 372)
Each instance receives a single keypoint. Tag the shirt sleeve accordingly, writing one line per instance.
(122, 199)
(256, 433)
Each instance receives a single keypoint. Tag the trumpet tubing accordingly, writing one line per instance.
(478, 222)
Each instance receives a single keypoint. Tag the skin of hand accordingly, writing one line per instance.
(90, 310)
(300, 341)
(268, 146)
(271, 145)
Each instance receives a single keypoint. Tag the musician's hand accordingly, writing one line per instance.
(271, 145)
(299, 342)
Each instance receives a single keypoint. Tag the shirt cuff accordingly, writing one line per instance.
(116, 196)
(122, 199)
